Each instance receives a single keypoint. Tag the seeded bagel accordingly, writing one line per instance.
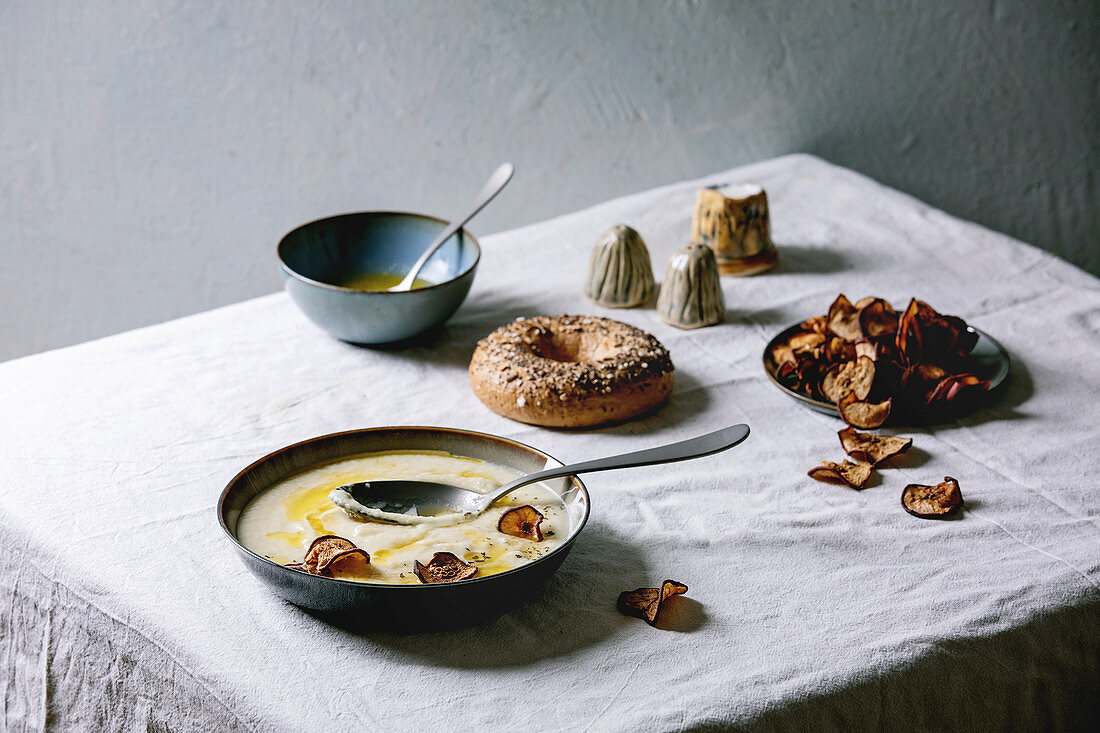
(570, 371)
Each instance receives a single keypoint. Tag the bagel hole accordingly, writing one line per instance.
(561, 349)
(573, 348)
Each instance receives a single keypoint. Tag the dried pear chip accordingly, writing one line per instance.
(851, 377)
(444, 567)
(967, 383)
(843, 319)
(868, 349)
(810, 370)
(326, 552)
(522, 522)
(788, 374)
(908, 337)
(873, 449)
(932, 502)
(926, 335)
(783, 354)
(817, 324)
(805, 341)
(354, 561)
(837, 349)
(929, 372)
(322, 549)
(877, 319)
(786, 369)
(957, 388)
(855, 475)
(945, 337)
(861, 414)
(938, 393)
(646, 603)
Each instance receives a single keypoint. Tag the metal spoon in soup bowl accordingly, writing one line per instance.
(426, 502)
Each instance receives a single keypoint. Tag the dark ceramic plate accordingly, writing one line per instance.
(990, 363)
(410, 607)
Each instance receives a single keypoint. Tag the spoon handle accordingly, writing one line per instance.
(704, 445)
(488, 192)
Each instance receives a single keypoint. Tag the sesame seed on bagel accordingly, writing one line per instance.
(570, 371)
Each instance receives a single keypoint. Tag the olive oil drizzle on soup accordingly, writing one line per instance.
(282, 521)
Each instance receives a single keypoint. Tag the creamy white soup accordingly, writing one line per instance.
(282, 521)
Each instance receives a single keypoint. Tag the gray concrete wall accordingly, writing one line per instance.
(152, 153)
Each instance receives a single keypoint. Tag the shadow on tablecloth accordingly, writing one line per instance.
(452, 344)
(801, 259)
(574, 610)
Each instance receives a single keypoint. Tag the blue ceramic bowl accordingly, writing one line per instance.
(317, 257)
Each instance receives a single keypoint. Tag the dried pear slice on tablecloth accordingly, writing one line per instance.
(873, 449)
(855, 475)
(932, 502)
(646, 603)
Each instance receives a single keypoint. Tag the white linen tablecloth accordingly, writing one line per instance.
(811, 606)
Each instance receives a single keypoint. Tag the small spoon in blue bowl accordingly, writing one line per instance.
(488, 192)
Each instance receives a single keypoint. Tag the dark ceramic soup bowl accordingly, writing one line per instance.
(320, 260)
(410, 607)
